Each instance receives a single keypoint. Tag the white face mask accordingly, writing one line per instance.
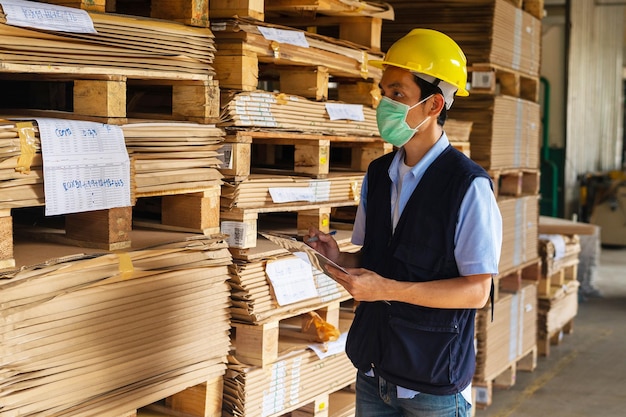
(391, 119)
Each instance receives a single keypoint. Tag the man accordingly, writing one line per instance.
(431, 234)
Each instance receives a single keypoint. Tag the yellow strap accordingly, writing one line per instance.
(282, 98)
(28, 148)
(276, 48)
(364, 69)
(126, 265)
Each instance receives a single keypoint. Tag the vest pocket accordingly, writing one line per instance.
(421, 352)
(365, 341)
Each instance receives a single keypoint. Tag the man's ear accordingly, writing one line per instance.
(437, 105)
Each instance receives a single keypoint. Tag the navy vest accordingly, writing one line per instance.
(423, 349)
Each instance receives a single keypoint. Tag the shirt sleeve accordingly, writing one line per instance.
(478, 237)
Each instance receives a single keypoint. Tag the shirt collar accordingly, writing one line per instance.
(419, 168)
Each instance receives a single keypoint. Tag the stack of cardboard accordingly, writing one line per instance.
(520, 218)
(488, 31)
(122, 45)
(262, 109)
(505, 341)
(505, 131)
(175, 156)
(258, 191)
(107, 333)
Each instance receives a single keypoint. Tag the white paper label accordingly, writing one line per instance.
(340, 111)
(47, 16)
(291, 279)
(291, 37)
(85, 164)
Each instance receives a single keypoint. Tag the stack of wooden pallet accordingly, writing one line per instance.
(298, 110)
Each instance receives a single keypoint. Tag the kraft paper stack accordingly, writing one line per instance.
(173, 156)
(107, 333)
(261, 109)
(255, 191)
(488, 31)
(123, 43)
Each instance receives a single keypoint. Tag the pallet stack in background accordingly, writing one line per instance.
(561, 248)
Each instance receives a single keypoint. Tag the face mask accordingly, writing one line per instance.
(391, 119)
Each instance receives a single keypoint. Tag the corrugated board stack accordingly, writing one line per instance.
(152, 343)
(558, 288)
(560, 248)
(105, 333)
(105, 77)
(297, 107)
(502, 44)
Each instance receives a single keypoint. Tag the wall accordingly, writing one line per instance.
(553, 62)
(594, 115)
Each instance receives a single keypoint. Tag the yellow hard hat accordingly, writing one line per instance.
(429, 52)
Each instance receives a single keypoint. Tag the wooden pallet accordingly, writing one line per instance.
(515, 182)
(340, 403)
(495, 79)
(484, 390)
(297, 153)
(534, 8)
(202, 400)
(110, 229)
(513, 280)
(241, 223)
(559, 278)
(297, 380)
(106, 98)
(189, 12)
(557, 312)
(258, 344)
(361, 24)
(241, 48)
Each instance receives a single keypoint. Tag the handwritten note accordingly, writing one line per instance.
(47, 16)
(85, 165)
(291, 279)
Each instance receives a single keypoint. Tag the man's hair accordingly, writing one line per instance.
(429, 89)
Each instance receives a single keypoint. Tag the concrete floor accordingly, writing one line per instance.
(585, 375)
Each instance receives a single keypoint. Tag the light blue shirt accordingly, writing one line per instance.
(478, 234)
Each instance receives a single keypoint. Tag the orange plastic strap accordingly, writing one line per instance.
(325, 331)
